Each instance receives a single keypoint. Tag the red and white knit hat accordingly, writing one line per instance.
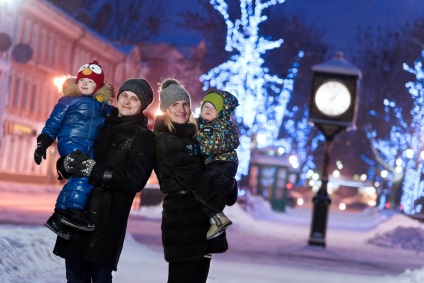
(92, 71)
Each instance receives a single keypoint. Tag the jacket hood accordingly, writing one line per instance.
(103, 94)
(230, 104)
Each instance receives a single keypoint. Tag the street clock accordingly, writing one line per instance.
(332, 108)
(334, 96)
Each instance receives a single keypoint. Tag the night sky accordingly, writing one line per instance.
(337, 20)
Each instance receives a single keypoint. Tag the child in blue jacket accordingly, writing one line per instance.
(75, 121)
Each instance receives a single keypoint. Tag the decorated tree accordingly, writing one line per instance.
(263, 97)
(401, 151)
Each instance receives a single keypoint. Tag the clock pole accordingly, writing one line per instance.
(334, 80)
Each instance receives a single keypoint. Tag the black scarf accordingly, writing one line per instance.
(185, 132)
(125, 121)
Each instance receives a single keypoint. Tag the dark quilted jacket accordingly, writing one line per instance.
(127, 148)
(184, 224)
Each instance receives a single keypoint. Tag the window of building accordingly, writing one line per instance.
(16, 93)
(33, 97)
(25, 96)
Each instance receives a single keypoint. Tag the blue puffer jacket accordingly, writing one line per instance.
(78, 117)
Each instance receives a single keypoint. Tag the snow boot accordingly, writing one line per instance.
(219, 222)
(53, 223)
(77, 219)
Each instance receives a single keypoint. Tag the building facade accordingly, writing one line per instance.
(45, 43)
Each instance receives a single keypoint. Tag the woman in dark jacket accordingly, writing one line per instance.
(179, 168)
(124, 159)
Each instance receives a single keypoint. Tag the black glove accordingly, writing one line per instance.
(78, 164)
(60, 168)
(226, 183)
(43, 142)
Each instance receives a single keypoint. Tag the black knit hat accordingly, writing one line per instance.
(141, 88)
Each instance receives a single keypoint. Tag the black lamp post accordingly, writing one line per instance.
(332, 109)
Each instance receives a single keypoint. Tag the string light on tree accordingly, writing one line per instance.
(401, 148)
(262, 97)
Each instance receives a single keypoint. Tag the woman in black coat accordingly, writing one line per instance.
(179, 168)
(124, 159)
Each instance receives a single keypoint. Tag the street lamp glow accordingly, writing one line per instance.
(300, 201)
(336, 173)
(196, 112)
(159, 112)
(58, 81)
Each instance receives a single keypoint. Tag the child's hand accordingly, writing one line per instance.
(43, 142)
(40, 152)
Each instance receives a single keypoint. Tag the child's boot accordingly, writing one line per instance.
(219, 222)
(53, 223)
(77, 219)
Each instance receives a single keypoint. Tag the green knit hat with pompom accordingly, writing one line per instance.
(215, 99)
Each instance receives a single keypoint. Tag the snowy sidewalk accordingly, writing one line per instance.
(265, 246)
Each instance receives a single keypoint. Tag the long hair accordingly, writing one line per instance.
(168, 123)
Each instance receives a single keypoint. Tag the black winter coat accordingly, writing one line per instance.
(181, 178)
(124, 155)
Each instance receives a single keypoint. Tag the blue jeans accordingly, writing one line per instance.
(79, 271)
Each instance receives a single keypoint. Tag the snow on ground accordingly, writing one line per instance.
(26, 247)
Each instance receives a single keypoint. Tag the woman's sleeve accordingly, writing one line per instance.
(134, 175)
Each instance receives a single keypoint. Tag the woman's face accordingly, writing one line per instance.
(128, 104)
(179, 112)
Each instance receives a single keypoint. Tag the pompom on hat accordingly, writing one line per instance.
(141, 88)
(170, 91)
(215, 99)
(92, 71)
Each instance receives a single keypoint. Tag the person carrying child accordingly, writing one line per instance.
(76, 121)
(218, 139)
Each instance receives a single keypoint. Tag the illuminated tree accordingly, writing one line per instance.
(263, 97)
(400, 152)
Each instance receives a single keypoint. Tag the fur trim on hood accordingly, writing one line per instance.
(70, 88)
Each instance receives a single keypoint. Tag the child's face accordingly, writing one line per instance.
(128, 104)
(208, 111)
(86, 86)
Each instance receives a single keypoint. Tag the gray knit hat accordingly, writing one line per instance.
(170, 91)
(141, 88)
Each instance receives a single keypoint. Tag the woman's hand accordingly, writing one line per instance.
(75, 164)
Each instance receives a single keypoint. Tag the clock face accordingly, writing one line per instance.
(332, 98)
